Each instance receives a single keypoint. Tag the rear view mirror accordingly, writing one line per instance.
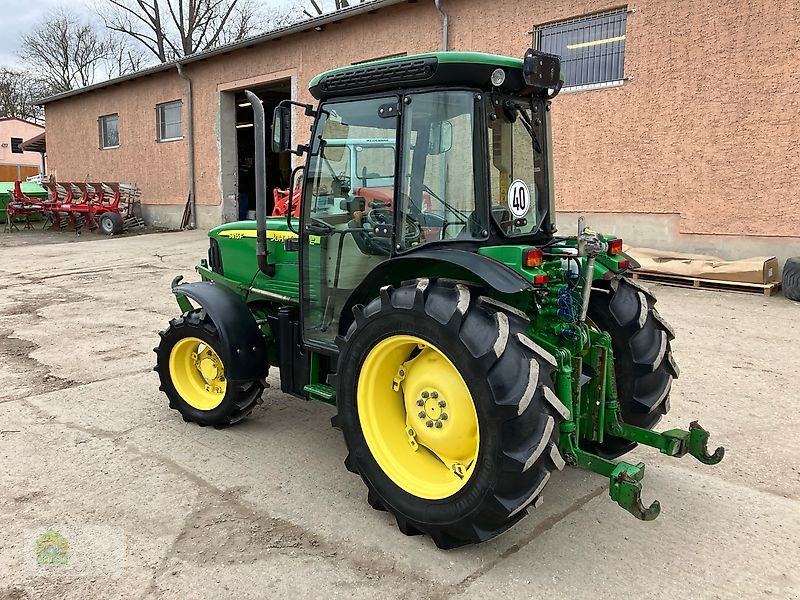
(440, 139)
(281, 129)
(541, 70)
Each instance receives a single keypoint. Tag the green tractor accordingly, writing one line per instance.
(469, 350)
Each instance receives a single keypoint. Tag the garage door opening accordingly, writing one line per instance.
(278, 166)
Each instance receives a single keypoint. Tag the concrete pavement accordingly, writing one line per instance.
(154, 507)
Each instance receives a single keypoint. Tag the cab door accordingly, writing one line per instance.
(338, 242)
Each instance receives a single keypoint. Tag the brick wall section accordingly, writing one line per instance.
(705, 129)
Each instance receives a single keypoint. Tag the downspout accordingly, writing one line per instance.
(190, 139)
(445, 20)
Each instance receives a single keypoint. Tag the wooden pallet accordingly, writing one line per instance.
(768, 289)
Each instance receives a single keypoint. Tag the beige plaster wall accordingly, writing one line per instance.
(158, 168)
(18, 129)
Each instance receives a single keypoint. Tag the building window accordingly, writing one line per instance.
(170, 121)
(109, 131)
(15, 145)
(592, 48)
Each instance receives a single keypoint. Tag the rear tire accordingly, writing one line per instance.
(229, 403)
(791, 278)
(507, 378)
(643, 362)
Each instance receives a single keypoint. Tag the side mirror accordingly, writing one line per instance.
(281, 129)
(440, 138)
(541, 70)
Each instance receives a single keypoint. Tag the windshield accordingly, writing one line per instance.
(439, 192)
(517, 177)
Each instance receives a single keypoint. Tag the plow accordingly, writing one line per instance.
(416, 281)
(110, 207)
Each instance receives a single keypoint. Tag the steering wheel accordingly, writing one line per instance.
(343, 181)
(412, 232)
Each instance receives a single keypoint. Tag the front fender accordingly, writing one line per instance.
(243, 350)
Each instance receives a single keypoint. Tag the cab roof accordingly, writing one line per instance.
(435, 69)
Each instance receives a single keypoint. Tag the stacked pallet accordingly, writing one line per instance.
(756, 274)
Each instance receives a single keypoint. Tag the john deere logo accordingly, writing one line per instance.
(51, 549)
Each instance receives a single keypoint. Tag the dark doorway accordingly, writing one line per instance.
(278, 165)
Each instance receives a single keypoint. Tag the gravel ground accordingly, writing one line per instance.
(149, 506)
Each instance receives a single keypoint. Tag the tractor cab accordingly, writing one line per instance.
(441, 151)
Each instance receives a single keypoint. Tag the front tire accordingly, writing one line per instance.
(643, 362)
(192, 374)
(468, 476)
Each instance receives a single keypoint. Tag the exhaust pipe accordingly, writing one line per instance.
(259, 130)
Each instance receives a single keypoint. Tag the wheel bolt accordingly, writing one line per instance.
(424, 394)
(420, 402)
(443, 416)
(421, 414)
(428, 423)
(434, 394)
(442, 403)
(438, 424)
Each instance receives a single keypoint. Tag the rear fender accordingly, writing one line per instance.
(606, 267)
(448, 263)
(243, 350)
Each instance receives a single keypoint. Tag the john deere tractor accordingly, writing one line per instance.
(469, 350)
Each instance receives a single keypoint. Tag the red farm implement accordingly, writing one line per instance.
(107, 206)
(110, 207)
(23, 207)
(281, 202)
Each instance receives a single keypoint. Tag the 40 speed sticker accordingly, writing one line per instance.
(519, 198)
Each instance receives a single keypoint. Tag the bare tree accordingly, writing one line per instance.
(319, 7)
(123, 57)
(18, 91)
(63, 52)
(174, 28)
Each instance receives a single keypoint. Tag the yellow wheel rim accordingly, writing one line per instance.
(418, 417)
(197, 373)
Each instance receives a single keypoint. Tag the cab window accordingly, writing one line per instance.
(438, 187)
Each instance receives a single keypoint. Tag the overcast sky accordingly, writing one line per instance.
(20, 16)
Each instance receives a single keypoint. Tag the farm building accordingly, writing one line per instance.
(677, 127)
(15, 161)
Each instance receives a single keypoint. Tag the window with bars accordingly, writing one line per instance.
(15, 145)
(170, 121)
(592, 48)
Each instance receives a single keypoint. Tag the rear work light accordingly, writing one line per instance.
(532, 257)
(615, 246)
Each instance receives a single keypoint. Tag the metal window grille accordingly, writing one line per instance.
(170, 121)
(592, 48)
(15, 145)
